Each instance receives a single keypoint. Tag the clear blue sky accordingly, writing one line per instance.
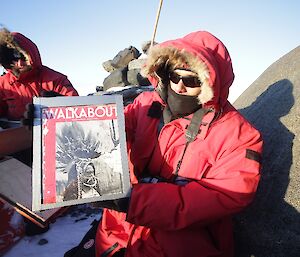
(75, 37)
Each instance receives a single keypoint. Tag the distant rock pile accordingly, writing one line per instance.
(125, 74)
(271, 226)
(125, 68)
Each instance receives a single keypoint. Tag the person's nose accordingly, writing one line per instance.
(179, 87)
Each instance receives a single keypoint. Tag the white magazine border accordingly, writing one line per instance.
(37, 172)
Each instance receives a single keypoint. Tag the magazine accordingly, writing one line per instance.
(79, 151)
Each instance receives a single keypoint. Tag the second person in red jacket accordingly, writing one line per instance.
(26, 76)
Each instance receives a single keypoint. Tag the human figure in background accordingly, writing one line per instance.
(26, 77)
(194, 159)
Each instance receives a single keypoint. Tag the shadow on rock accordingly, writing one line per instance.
(271, 226)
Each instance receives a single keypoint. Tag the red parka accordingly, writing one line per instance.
(16, 92)
(219, 169)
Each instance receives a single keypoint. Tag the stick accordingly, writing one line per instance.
(156, 22)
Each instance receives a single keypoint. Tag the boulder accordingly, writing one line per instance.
(117, 78)
(134, 77)
(108, 66)
(122, 59)
(271, 225)
(129, 93)
(136, 63)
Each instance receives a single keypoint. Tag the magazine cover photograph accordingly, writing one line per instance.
(79, 151)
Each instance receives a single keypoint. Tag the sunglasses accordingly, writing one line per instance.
(188, 81)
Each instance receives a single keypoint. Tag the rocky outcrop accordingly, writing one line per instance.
(271, 225)
(122, 59)
(125, 68)
(125, 74)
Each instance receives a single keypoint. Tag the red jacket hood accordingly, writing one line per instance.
(30, 48)
(204, 54)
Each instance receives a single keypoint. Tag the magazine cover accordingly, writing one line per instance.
(79, 151)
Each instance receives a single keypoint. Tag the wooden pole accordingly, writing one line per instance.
(156, 22)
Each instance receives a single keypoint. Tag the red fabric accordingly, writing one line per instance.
(171, 220)
(15, 92)
(214, 54)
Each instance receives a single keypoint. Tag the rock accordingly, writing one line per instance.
(42, 241)
(122, 59)
(123, 77)
(134, 77)
(108, 66)
(129, 93)
(117, 78)
(136, 63)
(271, 225)
(99, 88)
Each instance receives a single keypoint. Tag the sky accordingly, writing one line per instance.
(75, 37)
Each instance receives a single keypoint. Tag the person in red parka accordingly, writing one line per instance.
(25, 78)
(194, 159)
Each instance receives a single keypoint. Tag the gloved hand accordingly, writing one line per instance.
(152, 180)
(162, 71)
(120, 205)
(50, 94)
(181, 181)
(27, 121)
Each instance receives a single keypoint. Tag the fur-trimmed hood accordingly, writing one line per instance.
(201, 52)
(22, 44)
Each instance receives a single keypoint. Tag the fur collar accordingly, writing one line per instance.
(169, 58)
(7, 39)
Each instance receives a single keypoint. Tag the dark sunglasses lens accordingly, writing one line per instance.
(175, 78)
(188, 81)
(191, 81)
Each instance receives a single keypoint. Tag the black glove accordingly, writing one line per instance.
(50, 94)
(27, 121)
(162, 71)
(120, 205)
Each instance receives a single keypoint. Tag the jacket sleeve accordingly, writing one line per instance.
(137, 120)
(136, 113)
(130, 121)
(130, 114)
(228, 187)
(64, 87)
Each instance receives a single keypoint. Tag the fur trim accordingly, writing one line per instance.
(162, 59)
(7, 39)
